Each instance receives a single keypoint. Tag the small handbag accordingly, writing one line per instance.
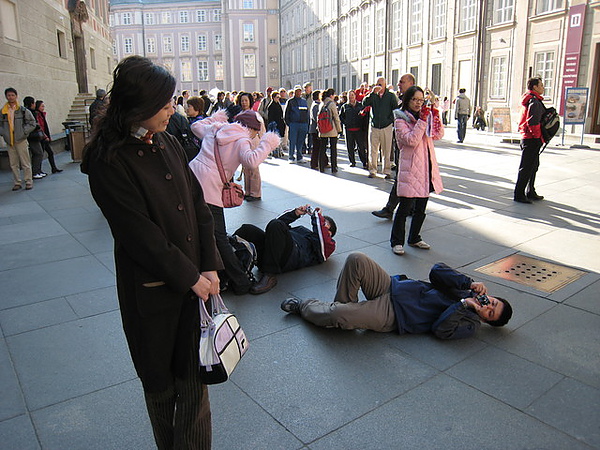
(232, 194)
(222, 342)
(37, 134)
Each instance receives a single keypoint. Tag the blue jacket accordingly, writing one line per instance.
(422, 307)
(296, 111)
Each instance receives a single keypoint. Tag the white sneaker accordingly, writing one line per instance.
(398, 249)
(421, 244)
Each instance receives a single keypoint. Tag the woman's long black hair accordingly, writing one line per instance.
(139, 90)
(408, 95)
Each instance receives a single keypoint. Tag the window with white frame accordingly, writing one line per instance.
(247, 4)
(319, 53)
(126, 18)
(217, 15)
(379, 30)
(150, 45)
(184, 17)
(326, 44)
(354, 40)
(202, 70)
(201, 42)
(149, 18)
(544, 67)
(439, 19)
(396, 24)
(167, 44)
(416, 22)
(219, 72)
(166, 17)
(114, 46)
(334, 46)
(128, 45)
(366, 35)
(498, 77)
(248, 32)
(111, 21)
(201, 15)
(218, 42)
(344, 44)
(311, 54)
(186, 71)
(249, 65)
(503, 11)
(168, 65)
(467, 15)
(184, 43)
(545, 6)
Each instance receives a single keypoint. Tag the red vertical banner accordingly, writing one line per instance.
(572, 51)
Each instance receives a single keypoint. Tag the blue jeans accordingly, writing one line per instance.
(297, 135)
(462, 126)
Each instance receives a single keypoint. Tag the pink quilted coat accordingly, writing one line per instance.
(416, 149)
(235, 148)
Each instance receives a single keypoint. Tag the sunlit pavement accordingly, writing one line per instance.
(66, 380)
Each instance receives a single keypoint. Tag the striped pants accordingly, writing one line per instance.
(180, 416)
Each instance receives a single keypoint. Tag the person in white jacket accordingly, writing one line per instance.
(237, 146)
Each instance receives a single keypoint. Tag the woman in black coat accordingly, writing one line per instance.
(275, 114)
(165, 252)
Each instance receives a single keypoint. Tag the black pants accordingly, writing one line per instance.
(238, 280)
(357, 140)
(323, 153)
(530, 161)
(180, 416)
(408, 204)
(274, 245)
(48, 149)
(315, 150)
(37, 156)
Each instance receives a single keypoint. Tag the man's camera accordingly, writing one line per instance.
(483, 299)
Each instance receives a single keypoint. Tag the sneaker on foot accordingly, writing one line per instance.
(291, 305)
(38, 176)
(421, 244)
(398, 249)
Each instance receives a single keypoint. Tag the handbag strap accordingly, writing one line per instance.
(218, 307)
(220, 164)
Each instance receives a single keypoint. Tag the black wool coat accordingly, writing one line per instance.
(163, 233)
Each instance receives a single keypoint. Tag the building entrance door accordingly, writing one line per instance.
(595, 88)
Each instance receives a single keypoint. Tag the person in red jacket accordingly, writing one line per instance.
(531, 141)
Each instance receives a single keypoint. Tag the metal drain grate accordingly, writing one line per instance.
(541, 275)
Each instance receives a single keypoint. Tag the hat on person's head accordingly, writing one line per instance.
(297, 88)
(100, 93)
(269, 89)
(248, 119)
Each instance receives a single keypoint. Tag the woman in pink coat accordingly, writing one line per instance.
(416, 126)
(238, 144)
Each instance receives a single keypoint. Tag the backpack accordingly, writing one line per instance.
(324, 124)
(246, 254)
(549, 124)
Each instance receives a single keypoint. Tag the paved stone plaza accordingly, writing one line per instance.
(67, 382)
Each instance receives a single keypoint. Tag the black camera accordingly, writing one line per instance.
(309, 210)
(483, 299)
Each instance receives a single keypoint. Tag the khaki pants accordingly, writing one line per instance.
(18, 158)
(346, 312)
(381, 137)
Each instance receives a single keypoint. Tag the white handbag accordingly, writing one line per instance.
(222, 342)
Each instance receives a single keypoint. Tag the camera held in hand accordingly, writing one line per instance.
(309, 210)
(483, 300)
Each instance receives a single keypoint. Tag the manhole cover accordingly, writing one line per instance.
(541, 275)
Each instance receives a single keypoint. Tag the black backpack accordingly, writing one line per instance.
(246, 254)
(549, 124)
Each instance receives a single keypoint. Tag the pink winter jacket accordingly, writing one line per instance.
(235, 148)
(416, 150)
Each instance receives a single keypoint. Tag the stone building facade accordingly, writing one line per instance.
(206, 44)
(488, 47)
(55, 50)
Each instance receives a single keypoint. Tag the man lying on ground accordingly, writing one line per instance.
(281, 248)
(451, 305)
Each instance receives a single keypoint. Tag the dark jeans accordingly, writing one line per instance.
(445, 117)
(37, 156)
(407, 204)
(357, 140)
(273, 245)
(315, 149)
(48, 149)
(238, 280)
(323, 153)
(530, 161)
(462, 126)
